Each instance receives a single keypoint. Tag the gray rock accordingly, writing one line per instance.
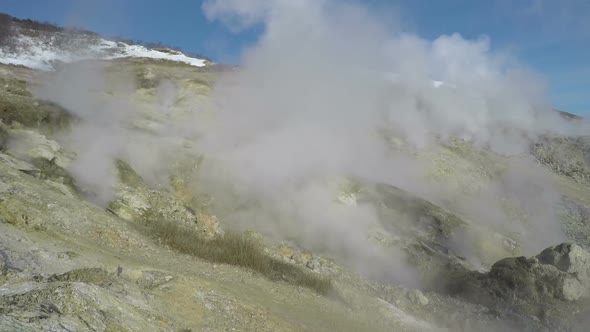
(556, 278)
(3, 135)
(530, 280)
(153, 279)
(3, 262)
(96, 276)
(566, 156)
(29, 145)
(575, 216)
(314, 264)
(573, 260)
(436, 221)
(20, 165)
(4, 187)
(522, 280)
(569, 258)
(50, 305)
(417, 298)
(136, 201)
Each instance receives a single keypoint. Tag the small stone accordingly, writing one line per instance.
(199, 296)
(314, 264)
(4, 187)
(3, 265)
(347, 198)
(417, 298)
(152, 279)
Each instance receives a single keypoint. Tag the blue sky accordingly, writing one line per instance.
(551, 36)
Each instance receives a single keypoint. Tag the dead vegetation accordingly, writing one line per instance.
(235, 249)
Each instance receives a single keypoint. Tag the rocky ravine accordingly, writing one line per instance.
(67, 264)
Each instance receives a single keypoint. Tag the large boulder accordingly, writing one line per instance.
(571, 259)
(530, 280)
(558, 275)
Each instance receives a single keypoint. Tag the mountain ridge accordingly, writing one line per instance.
(40, 45)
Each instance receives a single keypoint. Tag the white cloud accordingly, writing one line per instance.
(238, 14)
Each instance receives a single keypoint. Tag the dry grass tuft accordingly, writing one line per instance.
(236, 249)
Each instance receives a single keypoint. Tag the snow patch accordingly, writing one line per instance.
(395, 78)
(142, 52)
(43, 54)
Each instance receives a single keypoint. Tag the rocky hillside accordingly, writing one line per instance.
(44, 46)
(109, 220)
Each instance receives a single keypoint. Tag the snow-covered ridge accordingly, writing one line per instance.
(45, 51)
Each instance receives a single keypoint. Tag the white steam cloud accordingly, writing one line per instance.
(325, 76)
(113, 124)
(238, 14)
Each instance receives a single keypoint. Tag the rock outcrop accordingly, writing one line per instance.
(557, 277)
(82, 300)
(574, 261)
(136, 202)
(565, 155)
